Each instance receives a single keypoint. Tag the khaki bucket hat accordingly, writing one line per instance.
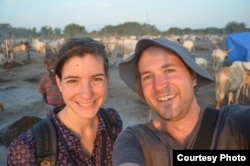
(128, 68)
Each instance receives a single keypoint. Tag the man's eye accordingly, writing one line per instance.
(71, 81)
(98, 79)
(147, 77)
(169, 70)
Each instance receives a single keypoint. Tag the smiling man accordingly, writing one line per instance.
(164, 75)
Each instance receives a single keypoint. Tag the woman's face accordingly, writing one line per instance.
(84, 85)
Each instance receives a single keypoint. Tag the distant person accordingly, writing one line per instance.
(28, 47)
(165, 76)
(52, 96)
(1, 107)
(83, 134)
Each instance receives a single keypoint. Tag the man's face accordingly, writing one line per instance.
(167, 84)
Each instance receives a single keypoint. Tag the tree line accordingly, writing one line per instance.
(125, 29)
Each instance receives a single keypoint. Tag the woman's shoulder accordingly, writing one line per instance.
(26, 139)
(23, 144)
(115, 116)
(111, 111)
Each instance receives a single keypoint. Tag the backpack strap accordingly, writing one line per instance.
(205, 134)
(110, 124)
(46, 142)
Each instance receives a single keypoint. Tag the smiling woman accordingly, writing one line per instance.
(83, 86)
(82, 76)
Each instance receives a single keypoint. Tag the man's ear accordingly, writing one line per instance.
(194, 77)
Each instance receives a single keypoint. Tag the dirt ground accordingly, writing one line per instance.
(20, 96)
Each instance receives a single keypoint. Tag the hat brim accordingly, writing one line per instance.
(128, 68)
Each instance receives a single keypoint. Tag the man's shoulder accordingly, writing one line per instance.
(137, 127)
(235, 109)
(140, 129)
(237, 112)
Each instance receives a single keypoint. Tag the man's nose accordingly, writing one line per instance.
(160, 81)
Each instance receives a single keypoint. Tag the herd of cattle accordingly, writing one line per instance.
(232, 79)
(11, 50)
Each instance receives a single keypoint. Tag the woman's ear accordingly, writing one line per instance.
(58, 81)
(108, 77)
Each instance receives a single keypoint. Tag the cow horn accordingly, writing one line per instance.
(231, 49)
(245, 68)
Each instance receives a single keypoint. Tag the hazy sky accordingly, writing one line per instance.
(96, 14)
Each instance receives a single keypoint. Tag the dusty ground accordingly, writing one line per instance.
(20, 96)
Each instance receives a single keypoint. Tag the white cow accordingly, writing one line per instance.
(189, 45)
(230, 80)
(201, 61)
(217, 58)
(39, 47)
(244, 66)
(55, 45)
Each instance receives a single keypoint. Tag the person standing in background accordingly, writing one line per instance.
(52, 96)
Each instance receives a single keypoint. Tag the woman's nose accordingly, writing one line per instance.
(86, 90)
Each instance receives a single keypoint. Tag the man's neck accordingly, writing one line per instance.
(179, 130)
